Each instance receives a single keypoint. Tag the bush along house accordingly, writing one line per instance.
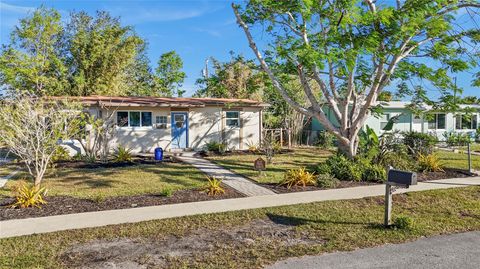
(145, 123)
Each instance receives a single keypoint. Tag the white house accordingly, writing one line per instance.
(145, 123)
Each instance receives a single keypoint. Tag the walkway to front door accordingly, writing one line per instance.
(237, 182)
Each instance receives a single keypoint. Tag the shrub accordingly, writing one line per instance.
(477, 135)
(214, 186)
(216, 147)
(419, 143)
(429, 163)
(404, 223)
(399, 161)
(323, 168)
(325, 139)
(298, 177)
(374, 173)
(252, 147)
(167, 192)
(122, 154)
(60, 154)
(456, 139)
(29, 196)
(326, 181)
(277, 146)
(343, 168)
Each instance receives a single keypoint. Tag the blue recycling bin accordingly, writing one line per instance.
(158, 154)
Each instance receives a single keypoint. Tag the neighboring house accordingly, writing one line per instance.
(438, 124)
(145, 123)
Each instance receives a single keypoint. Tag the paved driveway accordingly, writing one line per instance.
(449, 251)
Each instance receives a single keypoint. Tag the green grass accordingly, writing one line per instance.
(458, 160)
(330, 226)
(6, 170)
(107, 182)
(300, 157)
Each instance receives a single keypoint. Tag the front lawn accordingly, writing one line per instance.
(299, 157)
(458, 160)
(116, 181)
(249, 238)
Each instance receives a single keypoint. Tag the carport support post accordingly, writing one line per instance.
(388, 205)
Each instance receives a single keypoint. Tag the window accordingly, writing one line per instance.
(134, 119)
(466, 122)
(161, 122)
(437, 121)
(233, 119)
(384, 121)
(146, 119)
(122, 119)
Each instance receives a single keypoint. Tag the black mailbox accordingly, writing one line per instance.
(401, 178)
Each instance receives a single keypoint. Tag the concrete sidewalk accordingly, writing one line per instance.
(18, 227)
(237, 182)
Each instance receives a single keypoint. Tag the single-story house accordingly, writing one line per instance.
(145, 123)
(437, 124)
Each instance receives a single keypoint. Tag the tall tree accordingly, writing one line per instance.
(237, 78)
(169, 75)
(353, 49)
(102, 51)
(33, 61)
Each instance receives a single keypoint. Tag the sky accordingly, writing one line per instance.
(196, 30)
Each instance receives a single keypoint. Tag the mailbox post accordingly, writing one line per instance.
(396, 179)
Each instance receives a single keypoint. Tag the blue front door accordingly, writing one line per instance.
(179, 130)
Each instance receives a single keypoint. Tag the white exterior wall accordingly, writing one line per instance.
(205, 124)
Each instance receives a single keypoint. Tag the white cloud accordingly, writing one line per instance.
(159, 14)
(7, 8)
(211, 32)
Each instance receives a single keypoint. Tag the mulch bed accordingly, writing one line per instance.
(59, 205)
(449, 173)
(111, 164)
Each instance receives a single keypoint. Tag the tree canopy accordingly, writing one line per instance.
(354, 49)
(88, 55)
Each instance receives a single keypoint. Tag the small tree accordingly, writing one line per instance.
(99, 133)
(31, 128)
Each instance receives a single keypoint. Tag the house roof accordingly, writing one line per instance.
(164, 101)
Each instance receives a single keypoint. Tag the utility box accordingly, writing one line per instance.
(401, 178)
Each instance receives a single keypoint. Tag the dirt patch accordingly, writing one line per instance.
(147, 253)
(59, 205)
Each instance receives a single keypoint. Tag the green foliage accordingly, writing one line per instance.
(419, 143)
(343, 168)
(326, 181)
(477, 135)
(323, 168)
(429, 163)
(60, 154)
(214, 186)
(374, 173)
(216, 147)
(457, 139)
(237, 78)
(298, 177)
(101, 51)
(403, 223)
(34, 61)
(325, 139)
(169, 77)
(167, 192)
(29, 196)
(122, 154)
